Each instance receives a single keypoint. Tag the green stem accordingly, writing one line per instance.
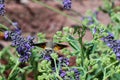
(6, 18)
(104, 77)
(82, 50)
(2, 27)
(15, 67)
(24, 76)
(35, 70)
(3, 77)
(56, 67)
(99, 72)
(59, 78)
(57, 11)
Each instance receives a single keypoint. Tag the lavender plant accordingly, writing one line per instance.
(97, 59)
(67, 4)
(2, 7)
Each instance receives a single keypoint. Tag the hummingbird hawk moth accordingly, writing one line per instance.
(50, 47)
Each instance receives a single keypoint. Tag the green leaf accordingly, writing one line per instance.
(2, 68)
(15, 73)
(116, 76)
(3, 28)
(73, 42)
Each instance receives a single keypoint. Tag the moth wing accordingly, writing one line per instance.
(59, 46)
(41, 45)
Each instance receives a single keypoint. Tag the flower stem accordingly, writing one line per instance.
(15, 67)
(82, 50)
(35, 70)
(24, 76)
(104, 77)
(59, 77)
(56, 67)
(10, 21)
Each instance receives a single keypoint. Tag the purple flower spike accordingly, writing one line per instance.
(109, 37)
(64, 61)
(24, 46)
(113, 44)
(6, 33)
(47, 58)
(67, 4)
(2, 7)
(24, 58)
(76, 73)
(62, 73)
(118, 56)
(94, 30)
(89, 19)
(15, 24)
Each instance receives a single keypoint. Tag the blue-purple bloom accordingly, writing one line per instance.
(94, 30)
(89, 19)
(2, 7)
(16, 25)
(23, 46)
(67, 4)
(62, 73)
(76, 73)
(113, 44)
(63, 61)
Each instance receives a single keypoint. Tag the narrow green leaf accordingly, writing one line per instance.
(74, 43)
(116, 76)
(3, 28)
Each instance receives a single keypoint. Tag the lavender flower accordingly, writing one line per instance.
(63, 61)
(62, 73)
(16, 25)
(76, 73)
(89, 20)
(23, 46)
(113, 44)
(109, 40)
(67, 4)
(94, 30)
(2, 7)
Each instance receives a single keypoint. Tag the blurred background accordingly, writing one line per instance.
(34, 18)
